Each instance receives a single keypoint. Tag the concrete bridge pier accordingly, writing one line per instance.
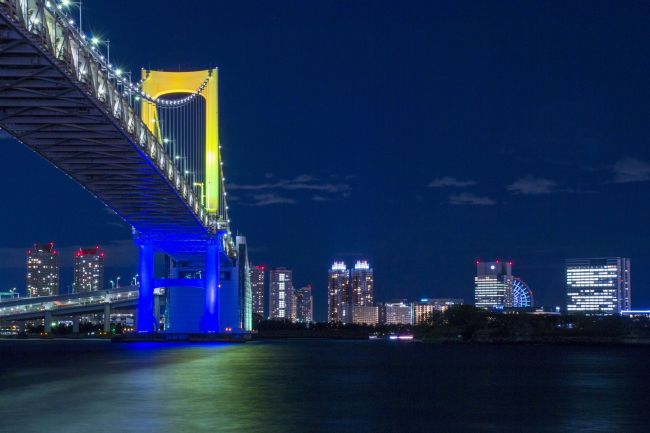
(48, 322)
(210, 322)
(75, 325)
(145, 319)
(107, 318)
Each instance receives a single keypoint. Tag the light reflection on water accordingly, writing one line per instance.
(314, 386)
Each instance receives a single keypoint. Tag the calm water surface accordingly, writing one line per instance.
(321, 386)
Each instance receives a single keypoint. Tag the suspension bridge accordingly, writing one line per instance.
(149, 150)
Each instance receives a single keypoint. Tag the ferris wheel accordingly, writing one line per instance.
(522, 295)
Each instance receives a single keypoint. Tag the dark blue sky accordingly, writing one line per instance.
(421, 135)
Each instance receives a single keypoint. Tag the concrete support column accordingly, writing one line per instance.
(107, 318)
(48, 322)
(145, 318)
(210, 322)
(75, 325)
(156, 310)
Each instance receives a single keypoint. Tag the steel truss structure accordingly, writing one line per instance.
(60, 98)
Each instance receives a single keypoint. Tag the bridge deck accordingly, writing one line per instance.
(45, 106)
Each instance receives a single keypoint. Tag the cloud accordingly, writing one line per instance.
(275, 192)
(467, 198)
(448, 181)
(267, 199)
(531, 185)
(631, 170)
(304, 181)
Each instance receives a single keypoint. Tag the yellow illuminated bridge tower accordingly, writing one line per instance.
(201, 83)
(181, 110)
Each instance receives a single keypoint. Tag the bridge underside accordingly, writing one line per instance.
(43, 106)
(58, 98)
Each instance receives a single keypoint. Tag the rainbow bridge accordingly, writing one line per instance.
(149, 150)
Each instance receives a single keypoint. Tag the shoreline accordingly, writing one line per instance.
(628, 341)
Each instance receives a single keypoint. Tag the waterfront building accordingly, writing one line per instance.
(398, 312)
(304, 304)
(423, 309)
(492, 281)
(598, 285)
(258, 289)
(281, 294)
(364, 314)
(88, 270)
(362, 288)
(338, 293)
(43, 270)
(244, 287)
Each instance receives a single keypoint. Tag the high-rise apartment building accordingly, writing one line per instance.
(281, 294)
(338, 293)
(43, 270)
(492, 284)
(426, 307)
(88, 270)
(362, 288)
(258, 289)
(598, 285)
(304, 304)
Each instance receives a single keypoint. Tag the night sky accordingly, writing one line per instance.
(419, 135)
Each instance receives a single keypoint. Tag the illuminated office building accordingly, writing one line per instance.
(362, 288)
(281, 294)
(258, 289)
(423, 310)
(364, 314)
(338, 293)
(398, 313)
(599, 285)
(491, 284)
(42, 270)
(304, 305)
(88, 270)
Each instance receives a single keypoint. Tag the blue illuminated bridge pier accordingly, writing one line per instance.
(147, 147)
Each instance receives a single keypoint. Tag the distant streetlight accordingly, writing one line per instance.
(112, 284)
(118, 282)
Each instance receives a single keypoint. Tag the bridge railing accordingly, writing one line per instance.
(95, 76)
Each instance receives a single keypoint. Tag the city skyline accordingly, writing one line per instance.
(495, 286)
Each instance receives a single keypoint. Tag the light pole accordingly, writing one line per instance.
(95, 41)
(78, 4)
(112, 284)
(118, 282)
